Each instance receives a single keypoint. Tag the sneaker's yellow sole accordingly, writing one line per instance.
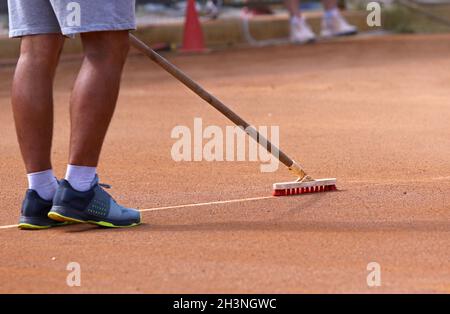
(59, 217)
(26, 226)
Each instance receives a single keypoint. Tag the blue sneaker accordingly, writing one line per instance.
(94, 206)
(34, 212)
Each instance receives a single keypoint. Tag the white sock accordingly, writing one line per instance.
(44, 183)
(80, 177)
(331, 13)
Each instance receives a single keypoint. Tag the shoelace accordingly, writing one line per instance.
(107, 186)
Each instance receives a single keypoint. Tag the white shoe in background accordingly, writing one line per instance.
(211, 9)
(301, 33)
(334, 24)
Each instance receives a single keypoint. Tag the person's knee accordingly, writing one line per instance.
(106, 47)
(41, 49)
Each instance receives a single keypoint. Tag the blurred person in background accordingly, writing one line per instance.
(333, 23)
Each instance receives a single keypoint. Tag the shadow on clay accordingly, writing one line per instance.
(305, 226)
(282, 223)
(278, 226)
(310, 200)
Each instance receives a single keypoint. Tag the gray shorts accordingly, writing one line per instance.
(69, 17)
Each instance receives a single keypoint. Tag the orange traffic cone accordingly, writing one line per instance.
(193, 34)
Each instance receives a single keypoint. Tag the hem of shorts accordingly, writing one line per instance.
(69, 31)
(14, 33)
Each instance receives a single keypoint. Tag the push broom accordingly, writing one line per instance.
(304, 183)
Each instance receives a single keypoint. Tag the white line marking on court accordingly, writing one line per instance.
(207, 203)
(9, 226)
(184, 206)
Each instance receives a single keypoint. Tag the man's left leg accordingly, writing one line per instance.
(80, 198)
(95, 93)
(32, 104)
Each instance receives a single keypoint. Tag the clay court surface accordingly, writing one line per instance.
(373, 112)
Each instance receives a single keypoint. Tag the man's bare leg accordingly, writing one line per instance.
(93, 102)
(32, 98)
(95, 94)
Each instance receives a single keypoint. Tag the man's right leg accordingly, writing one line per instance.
(32, 103)
(32, 98)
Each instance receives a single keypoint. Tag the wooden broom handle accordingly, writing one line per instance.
(213, 101)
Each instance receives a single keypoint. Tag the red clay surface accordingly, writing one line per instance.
(374, 113)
